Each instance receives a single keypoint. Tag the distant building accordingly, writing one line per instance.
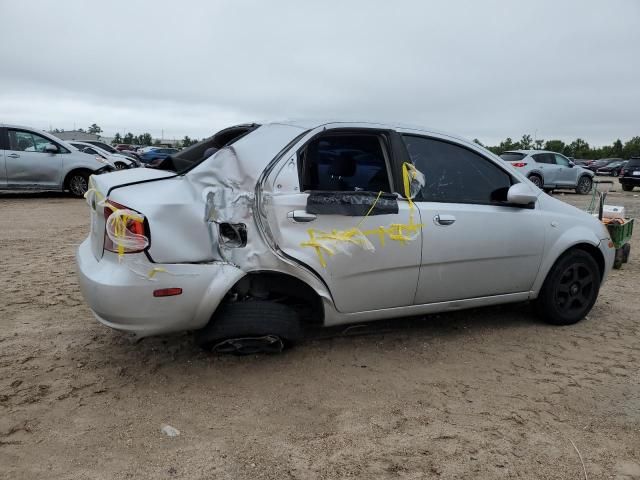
(166, 142)
(75, 135)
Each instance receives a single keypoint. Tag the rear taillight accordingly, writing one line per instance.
(125, 229)
(519, 164)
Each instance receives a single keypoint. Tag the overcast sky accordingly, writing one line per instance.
(486, 69)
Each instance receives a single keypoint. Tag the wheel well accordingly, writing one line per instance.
(282, 288)
(74, 171)
(594, 252)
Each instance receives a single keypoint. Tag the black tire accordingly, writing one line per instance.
(536, 180)
(626, 251)
(120, 165)
(618, 260)
(77, 183)
(626, 187)
(585, 184)
(570, 289)
(253, 319)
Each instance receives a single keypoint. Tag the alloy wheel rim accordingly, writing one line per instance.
(575, 289)
(584, 184)
(536, 181)
(78, 185)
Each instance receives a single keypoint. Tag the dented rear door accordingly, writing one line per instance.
(364, 243)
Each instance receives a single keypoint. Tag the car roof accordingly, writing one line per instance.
(529, 152)
(308, 124)
(8, 125)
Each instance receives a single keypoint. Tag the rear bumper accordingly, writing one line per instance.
(121, 294)
(635, 181)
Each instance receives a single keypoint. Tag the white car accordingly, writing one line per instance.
(119, 161)
(294, 223)
(550, 170)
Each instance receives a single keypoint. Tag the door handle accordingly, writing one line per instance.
(13, 155)
(444, 220)
(301, 216)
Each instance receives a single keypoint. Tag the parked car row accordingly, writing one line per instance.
(118, 160)
(605, 166)
(596, 165)
(612, 168)
(146, 154)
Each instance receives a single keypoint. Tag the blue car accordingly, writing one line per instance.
(157, 154)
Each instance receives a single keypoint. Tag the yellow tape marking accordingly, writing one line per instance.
(398, 232)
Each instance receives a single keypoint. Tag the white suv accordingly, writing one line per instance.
(550, 170)
(293, 223)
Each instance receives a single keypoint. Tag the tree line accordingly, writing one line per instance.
(144, 139)
(578, 149)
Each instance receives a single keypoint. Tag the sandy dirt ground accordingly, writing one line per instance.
(484, 394)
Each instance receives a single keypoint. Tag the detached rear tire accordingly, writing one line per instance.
(570, 289)
(250, 319)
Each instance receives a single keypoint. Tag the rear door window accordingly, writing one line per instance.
(512, 156)
(547, 158)
(634, 162)
(345, 162)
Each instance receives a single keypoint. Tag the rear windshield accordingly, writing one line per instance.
(634, 162)
(512, 156)
(188, 158)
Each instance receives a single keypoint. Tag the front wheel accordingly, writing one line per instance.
(584, 185)
(120, 165)
(570, 289)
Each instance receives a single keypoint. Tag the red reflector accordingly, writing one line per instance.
(167, 292)
(518, 164)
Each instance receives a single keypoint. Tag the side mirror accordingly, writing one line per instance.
(571, 164)
(522, 194)
(50, 148)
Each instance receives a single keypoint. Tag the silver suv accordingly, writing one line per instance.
(550, 170)
(34, 160)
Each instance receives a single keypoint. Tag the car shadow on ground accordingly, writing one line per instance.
(181, 349)
(11, 195)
